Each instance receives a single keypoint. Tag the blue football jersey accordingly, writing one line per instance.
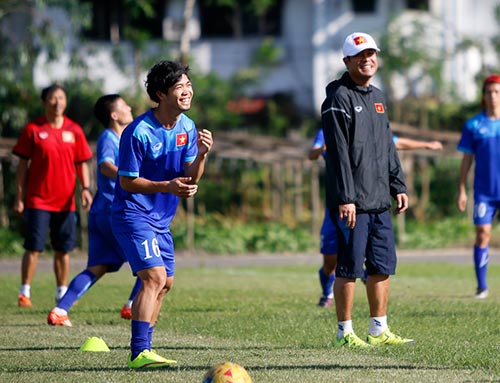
(149, 150)
(319, 141)
(107, 151)
(481, 138)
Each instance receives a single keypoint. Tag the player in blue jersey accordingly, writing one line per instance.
(162, 157)
(328, 236)
(480, 140)
(105, 254)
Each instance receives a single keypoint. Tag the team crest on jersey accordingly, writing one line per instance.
(379, 107)
(181, 139)
(43, 135)
(68, 137)
(157, 146)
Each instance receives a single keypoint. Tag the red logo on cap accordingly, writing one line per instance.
(359, 40)
(379, 107)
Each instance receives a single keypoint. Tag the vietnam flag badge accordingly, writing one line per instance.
(379, 107)
(181, 139)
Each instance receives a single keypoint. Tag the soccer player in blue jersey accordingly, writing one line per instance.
(162, 157)
(105, 254)
(328, 236)
(480, 140)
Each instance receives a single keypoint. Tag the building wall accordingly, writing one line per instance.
(312, 36)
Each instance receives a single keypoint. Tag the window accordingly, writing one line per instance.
(110, 20)
(419, 5)
(239, 20)
(363, 6)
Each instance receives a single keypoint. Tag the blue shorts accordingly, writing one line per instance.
(328, 239)
(104, 249)
(144, 246)
(484, 211)
(371, 243)
(62, 229)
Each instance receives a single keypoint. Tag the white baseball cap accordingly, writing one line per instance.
(358, 42)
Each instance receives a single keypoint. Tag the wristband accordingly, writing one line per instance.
(86, 188)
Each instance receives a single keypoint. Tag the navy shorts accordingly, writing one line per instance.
(104, 249)
(62, 229)
(328, 240)
(370, 243)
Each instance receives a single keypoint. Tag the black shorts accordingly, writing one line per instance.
(371, 243)
(62, 229)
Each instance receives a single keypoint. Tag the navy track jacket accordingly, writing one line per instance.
(362, 165)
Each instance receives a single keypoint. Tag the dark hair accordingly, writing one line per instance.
(162, 76)
(48, 90)
(103, 108)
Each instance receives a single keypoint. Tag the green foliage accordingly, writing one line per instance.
(209, 108)
(82, 96)
(443, 188)
(439, 233)
(215, 234)
(267, 54)
(263, 318)
(11, 243)
(18, 104)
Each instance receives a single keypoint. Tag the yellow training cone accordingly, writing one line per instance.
(94, 344)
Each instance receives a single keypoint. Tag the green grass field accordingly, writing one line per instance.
(264, 319)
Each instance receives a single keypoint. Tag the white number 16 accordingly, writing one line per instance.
(154, 247)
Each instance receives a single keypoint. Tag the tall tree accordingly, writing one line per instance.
(185, 43)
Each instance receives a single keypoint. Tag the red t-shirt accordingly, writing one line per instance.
(51, 179)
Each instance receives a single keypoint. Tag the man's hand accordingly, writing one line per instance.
(180, 187)
(402, 200)
(462, 200)
(349, 213)
(86, 199)
(205, 141)
(19, 207)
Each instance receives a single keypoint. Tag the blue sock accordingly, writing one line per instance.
(78, 286)
(481, 258)
(140, 338)
(135, 289)
(326, 283)
(150, 336)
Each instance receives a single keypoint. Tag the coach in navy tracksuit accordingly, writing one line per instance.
(363, 172)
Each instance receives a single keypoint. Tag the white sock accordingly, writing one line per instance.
(60, 291)
(344, 327)
(25, 290)
(378, 325)
(59, 311)
(129, 303)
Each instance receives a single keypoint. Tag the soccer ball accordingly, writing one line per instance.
(227, 372)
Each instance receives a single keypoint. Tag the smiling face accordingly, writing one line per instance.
(362, 67)
(181, 93)
(55, 103)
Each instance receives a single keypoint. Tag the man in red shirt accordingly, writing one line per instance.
(53, 151)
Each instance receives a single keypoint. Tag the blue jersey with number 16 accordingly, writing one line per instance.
(149, 150)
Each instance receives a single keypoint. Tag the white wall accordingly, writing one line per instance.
(312, 37)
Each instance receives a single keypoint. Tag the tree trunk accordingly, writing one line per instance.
(185, 43)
